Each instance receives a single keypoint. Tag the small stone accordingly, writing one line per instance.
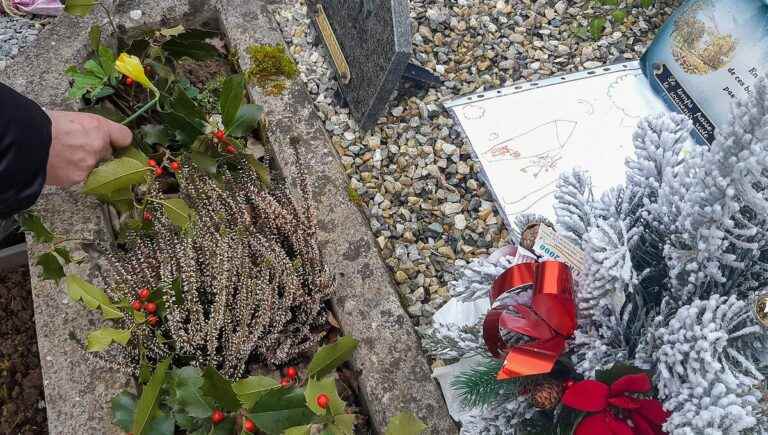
(401, 277)
(459, 221)
(452, 208)
(397, 111)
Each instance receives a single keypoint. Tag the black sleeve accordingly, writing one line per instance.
(25, 140)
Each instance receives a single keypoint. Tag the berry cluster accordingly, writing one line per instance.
(149, 307)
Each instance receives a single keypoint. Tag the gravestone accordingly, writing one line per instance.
(375, 39)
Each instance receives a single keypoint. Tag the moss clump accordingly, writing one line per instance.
(270, 66)
(354, 197)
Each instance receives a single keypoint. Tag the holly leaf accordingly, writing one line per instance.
(114, 175)
(232, 95)
(253, 388)
(177, 210)
(186, 131)
(187, 382)
(617, 371)
(123, 408)
(183, 105)
(80, 8)
(220, 390)
(405, 423)
(246, 120)
(133, 153)
(91, 296)
(63, 254)
(180, 48)
(32, 223)
(162, 424)
(299, 430)
(204, 162)
(325, 386)
(281, 409)
(51, 267)
(330, 356)
(83, 82)
(147, 403)
(343, 424)
(100, 339)
(154, 134)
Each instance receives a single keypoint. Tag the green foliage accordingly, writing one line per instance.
(478, 386)
(115, 175)
(245, 121)
(281, 409)
(597, 27)
(325, 386)
(191, 45)
(52, 269)
(405, 423)
(618, 16)
(147, 404)
(91, 296)
(220, 389)
(253, 388)
(329, 357)
(123, 408)
(232, 96)
(100, 339)
(80, 8)
(177, 210)
(32, 223)
(646, 3)
(617, 371)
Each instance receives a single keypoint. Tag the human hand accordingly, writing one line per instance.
(80, 141)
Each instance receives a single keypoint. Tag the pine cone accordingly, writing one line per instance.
(546, 395)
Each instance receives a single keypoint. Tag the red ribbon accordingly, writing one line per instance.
(550, 319)
(647, 415)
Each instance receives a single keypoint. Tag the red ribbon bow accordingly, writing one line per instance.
(550, 319)
(647, 416)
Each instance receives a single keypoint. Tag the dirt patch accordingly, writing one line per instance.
(22, 403)
(201, 73)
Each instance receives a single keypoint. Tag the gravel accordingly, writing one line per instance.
(17, 33)
(414, 172)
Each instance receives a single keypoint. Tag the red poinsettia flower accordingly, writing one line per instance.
(615, 411)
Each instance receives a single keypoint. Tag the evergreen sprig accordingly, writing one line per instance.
(478, 386)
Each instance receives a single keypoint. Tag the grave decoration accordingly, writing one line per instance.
(216, 272)
(369, 44)
(661, 329)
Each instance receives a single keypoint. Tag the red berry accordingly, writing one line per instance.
(152, 162)
(150, 307)
(128, 81)
(249, 426)
(285, 382)
(153, 320)
(230, 149)
(143, 294)
(291, 372)
(322, 401)
(175, 166)
(217, 416)
(147, 216)
(219, 135)
(136, 305)
(158, 171)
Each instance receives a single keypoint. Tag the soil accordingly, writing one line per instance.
(22, 403)
(200, 73)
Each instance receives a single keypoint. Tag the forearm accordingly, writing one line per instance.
(25, 140)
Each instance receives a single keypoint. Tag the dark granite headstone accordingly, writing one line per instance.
(375, 37)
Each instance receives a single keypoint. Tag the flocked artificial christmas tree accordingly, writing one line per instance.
(674, 262)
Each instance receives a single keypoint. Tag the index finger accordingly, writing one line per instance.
(120, 136)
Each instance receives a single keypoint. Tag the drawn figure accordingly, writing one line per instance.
(624, 97)
(538, 149)
(473, 112)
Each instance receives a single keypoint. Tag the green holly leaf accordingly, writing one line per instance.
(330, 356)
(32, 223)
(183, 105)
(204, 162)
(343, 424)
(63, 254)
(83, 82)
(51, 267)
(405, 423)
(123, 408)
(100, 339)
(80, 8)
(147, 403)
(253, 388)
(134, 153)
(232, 96)
(177, 210)
(180, 48)
(91, 296)
(162, 424)
(115, 175)
(220, 390)
(281, 409)
(325, 386)
(154, 134)
(246, 120)
(187, 389)
(121, 199)
(94, 35)
(183, 129)
(617, 371)
(299, 430)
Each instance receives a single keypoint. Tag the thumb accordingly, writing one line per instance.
(120, 136)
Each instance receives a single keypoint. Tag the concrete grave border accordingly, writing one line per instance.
(393, 372)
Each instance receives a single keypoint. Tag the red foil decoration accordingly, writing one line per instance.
(549, 321)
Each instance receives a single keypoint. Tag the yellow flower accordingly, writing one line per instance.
(130, 66)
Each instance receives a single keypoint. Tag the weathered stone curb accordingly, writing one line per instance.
(393, 373)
